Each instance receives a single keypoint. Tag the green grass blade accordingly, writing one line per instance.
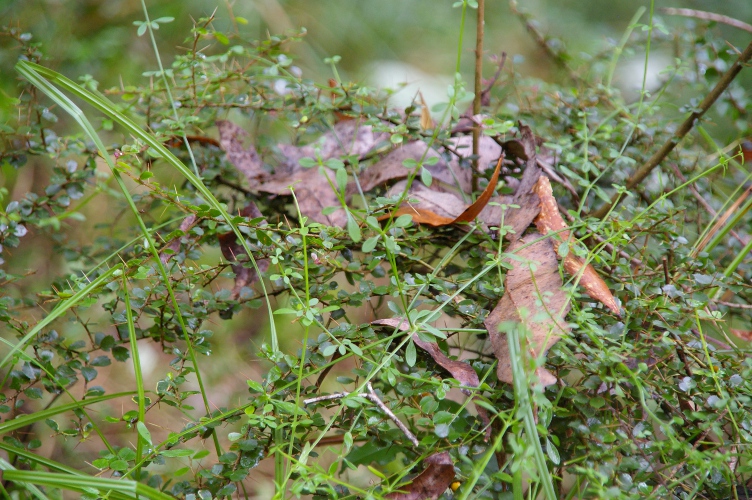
(85, 484)
(522, 399)
(35, 73)
(69, 107)
(136, 369)
(38, 459)
(5, 466)
(32, 418)
(60, 310)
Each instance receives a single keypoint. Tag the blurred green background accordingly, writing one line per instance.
(380, 41)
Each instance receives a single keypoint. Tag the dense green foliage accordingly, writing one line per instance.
(655, 404)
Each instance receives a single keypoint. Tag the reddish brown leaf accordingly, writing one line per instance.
(174, 245)
(745, 335)
(460, 370)
(534, 298)
(473, 210)
(425, 216)
(524, 196)
(549, 221)
(431, 483)
(234, 252)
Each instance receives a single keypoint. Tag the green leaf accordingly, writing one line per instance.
(341, 176)
(552, 452)
(353, 229)
(221, 38)
(143, 432)
(370, 244)
(255, 386)
(329, 350)
(307, 162)
(119, 465)
(403, 220)
(176, 453)
(410, 353)
(426, 177)
(410, 163)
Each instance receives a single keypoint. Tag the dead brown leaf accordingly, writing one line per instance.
(431, 483)
(525, 197)
(745, 335)
(234, 252)
(460, 370)
(550, 221)
(446, 175)
(311, 186)
(426, 122)
(534, 298)
(488, 151)
(390, 168)
(424, 216)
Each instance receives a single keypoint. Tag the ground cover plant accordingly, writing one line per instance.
(532, 290)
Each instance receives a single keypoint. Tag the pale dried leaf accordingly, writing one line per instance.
(550, 221)
(534, 298)
(311, 186)
(349, 137)
(390, 168)
(524, 196)
(313, 193)
(425, 199)
(426, 122)
(488, 152)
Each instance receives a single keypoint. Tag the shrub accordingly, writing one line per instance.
(163, 217)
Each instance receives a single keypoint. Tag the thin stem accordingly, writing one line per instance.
(167, 87)
(479, 32)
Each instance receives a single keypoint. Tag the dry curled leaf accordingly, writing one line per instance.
(391, 168)
(460, 370)
(425, 216)
(549, 221)
(235, 253)
(534, 297)
(426, 122)
(431, 483)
